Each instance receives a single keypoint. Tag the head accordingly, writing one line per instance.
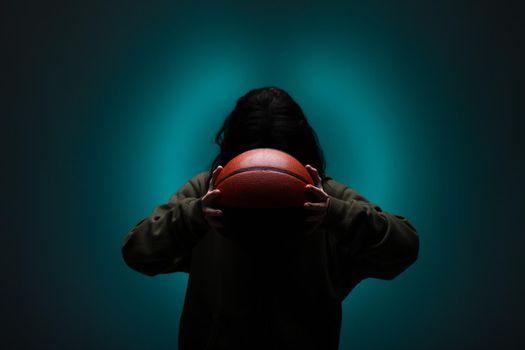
(268, 117)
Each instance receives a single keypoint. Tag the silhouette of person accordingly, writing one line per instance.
(286, 295)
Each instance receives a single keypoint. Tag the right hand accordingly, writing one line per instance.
(213, 216)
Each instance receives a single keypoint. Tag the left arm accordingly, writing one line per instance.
(380, 244)
(363, 240)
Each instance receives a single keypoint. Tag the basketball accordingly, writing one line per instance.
(263, 178)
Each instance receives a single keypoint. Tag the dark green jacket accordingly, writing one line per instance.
(236, 299)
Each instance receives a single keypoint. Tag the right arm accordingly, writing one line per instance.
(163, 241)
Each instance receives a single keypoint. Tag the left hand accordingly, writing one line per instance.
(321, 199)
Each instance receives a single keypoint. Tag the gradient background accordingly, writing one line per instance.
(111, 106)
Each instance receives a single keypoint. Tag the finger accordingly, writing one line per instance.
(315, 206)
(314, 174)
(310, 170)
(315, 189)
(213, 212)
(317, 193)
(214, 175)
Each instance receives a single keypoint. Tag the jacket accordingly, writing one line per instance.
(281, 296)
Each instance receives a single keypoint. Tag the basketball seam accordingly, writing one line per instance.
(277, 170)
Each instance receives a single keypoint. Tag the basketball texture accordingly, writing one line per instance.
(263, 178)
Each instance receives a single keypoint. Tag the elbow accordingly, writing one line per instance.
(413, 249)
(406, 241)
(400, 252)
(410, 253)
(136, 259)
(140, 265)
(392, 269)
(411, 246)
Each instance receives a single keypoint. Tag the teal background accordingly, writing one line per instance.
(111, 106)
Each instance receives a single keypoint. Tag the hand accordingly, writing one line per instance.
(213, 216)
(320, 199)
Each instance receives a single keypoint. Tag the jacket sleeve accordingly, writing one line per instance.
(163, 241)
(366, 241)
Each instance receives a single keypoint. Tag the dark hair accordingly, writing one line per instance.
(268, 117)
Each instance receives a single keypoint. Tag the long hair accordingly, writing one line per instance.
(268, 117)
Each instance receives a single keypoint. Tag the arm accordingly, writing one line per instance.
(162, 242)
(366, 241)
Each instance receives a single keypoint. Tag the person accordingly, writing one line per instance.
(236, 299)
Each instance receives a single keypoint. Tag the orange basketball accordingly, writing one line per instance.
(263, 178)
